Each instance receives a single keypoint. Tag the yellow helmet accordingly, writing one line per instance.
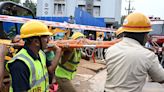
(77, 35)
(136, 22)
(34, 28)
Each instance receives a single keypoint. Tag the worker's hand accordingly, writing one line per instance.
(56, 48)
(65, 46)
(52, 46)
(53, 87)
(16, 39)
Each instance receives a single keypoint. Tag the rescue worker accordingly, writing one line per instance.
(29, 68)
(128, 61)
(50, 54)
(3, 50)
(66, 69)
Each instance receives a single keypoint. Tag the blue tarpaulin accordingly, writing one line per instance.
(55, 19)
(84, 18)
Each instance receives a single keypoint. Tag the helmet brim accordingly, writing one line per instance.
(37, 34)
(135, 30)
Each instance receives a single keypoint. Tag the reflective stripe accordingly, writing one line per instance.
(62, 66)
(41, 79)
(31, 65)
(73, 62)
(34, 82)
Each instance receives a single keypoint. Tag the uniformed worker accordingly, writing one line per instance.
(29, 68)
(66, 69)
(129, 62)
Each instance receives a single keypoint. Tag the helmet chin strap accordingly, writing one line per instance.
(40, 43)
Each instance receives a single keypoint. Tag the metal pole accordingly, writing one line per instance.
(129, 9)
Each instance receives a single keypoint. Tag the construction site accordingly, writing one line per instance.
(79, 46)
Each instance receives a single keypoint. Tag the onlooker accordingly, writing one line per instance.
(100, 50)
(149, 42)
(90, 37)
(71, 20)
(129, 62)
(107, 37)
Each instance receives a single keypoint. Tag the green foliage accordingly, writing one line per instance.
(30, 5)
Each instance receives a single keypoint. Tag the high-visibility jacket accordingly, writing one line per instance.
(39, 80)
(68, 69)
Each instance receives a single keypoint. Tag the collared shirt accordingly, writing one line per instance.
(20, 73)
(128, 64)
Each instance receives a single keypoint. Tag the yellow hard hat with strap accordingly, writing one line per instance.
(135, 22)
(34, 28)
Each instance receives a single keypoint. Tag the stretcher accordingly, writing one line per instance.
(69, 43)
(88, 45)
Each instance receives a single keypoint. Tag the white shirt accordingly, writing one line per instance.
(100, 39)
(128, 64)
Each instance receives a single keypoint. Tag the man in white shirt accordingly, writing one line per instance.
(128, 62)
(100, 38)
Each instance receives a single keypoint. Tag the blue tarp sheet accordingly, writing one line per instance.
(55, 19)
(84, 18)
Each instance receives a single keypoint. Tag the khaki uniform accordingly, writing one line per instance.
(128, 64)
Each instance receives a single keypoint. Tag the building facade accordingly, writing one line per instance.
(110, 10)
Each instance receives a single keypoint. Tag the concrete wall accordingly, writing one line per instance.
(110, 9)
(107, 8)
(70, 7)
(45, 8)
(118, 10)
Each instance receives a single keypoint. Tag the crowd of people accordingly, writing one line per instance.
(33, 67)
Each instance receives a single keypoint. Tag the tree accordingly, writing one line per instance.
(30, 5)
(16, 1)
